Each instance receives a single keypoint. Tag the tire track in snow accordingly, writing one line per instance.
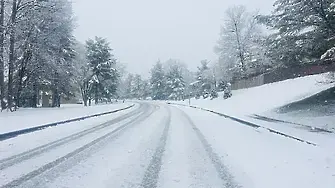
(250, 124)
(10, 161)
(222, 170)
(50, 168)
(151, 175)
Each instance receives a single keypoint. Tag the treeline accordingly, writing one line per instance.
(40, 56)
(172, 80)
(296, 33)
(168, 80)
(35, 48)
(301, 32)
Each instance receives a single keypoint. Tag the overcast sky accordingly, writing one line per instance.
(143, 31)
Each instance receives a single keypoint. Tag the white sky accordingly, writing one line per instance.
(143, 31)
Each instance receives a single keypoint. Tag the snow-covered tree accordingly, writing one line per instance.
(240, 47)
(138, 87)
(205, 82)
(135, 87)
(83, 72)
(175, 85)
(39, 40)
(102, 64)
(158, 82)
(304, 30)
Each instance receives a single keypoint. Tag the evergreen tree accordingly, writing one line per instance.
(138, 87)
(204, 80)
(102, 63)
(175, 84)
(304, 30)
(146, 89)
(158, 82)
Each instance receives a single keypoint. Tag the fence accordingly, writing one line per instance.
(283, 74)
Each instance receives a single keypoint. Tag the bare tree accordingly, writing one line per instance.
(239, 43)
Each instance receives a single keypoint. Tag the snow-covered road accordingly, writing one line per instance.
(157, 145)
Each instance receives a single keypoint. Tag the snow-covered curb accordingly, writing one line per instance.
(253, 125)
(12, 134)
(269, 119)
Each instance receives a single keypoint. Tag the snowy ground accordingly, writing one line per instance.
(25, 118)
(263, 100)
(159, 145)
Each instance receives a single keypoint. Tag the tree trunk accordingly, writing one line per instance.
(239, 46)
(11, 55)
(85, 101)
(96, 94)
(35, 99)
(55, 91)
(84, 92)
(2, 62)
(19, 88)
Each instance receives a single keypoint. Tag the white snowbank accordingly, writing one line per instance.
(263, 99)
(266, 97)
(260, 159)
(25, 118)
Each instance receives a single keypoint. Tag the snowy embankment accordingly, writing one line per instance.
(267, 97)
(27, 118)
(264, 99)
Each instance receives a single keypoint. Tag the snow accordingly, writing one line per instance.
(170, 147)
(185, 162)
(119, 161)
(26, 118)
(264, 99)
(177, 146)
(261, 159)
(15, 146)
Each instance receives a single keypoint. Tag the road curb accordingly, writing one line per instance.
(13, 134)
(253, 125)
(270, 119)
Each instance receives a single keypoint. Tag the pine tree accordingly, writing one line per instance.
(175, 84)
(304, 30)
(204, 80)
(158, 82)
(104, 74)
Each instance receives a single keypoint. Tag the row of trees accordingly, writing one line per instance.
(134, 87)
(38, 52)
(297, 32)
(35, 50)
(168, 80)
(172, 80)
(301, 32)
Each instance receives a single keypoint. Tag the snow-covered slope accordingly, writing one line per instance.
(266, 97)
